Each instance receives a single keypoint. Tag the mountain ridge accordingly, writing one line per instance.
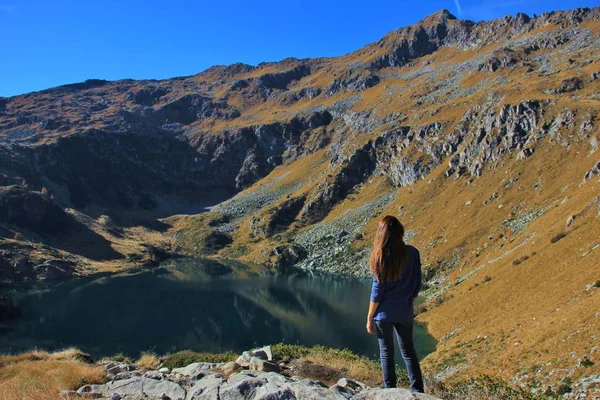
(482, 137)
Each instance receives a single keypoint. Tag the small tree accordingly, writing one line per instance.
(18, 236)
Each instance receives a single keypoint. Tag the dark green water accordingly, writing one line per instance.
(198, 305)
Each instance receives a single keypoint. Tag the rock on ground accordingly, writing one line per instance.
(253, 378)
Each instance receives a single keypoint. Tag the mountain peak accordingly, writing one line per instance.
(438, 17)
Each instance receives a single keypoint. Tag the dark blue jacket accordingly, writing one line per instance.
(396, 298)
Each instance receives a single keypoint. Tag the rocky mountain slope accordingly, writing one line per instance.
(482, 138)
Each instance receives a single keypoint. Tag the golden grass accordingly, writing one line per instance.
(148, 361)
(42, 375)
(350, 366)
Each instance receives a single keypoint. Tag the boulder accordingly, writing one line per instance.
(196, 371)
(351, 385)
(157, 375)
(206, 388)
(125, 375)
(240, 387)
(276, 394)
(258, 364)
(392, 394)
(315, 390)
(55, 270)
(244, 359)
(92, 390)
(230, 368)
(115, 368)
(266, 353)
(140, 386)
(570, 85)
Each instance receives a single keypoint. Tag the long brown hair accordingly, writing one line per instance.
(389, 251)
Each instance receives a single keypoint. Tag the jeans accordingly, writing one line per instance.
(385, 336)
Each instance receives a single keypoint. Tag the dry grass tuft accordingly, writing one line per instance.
(329, 365)
(148, 361)
(41, 376)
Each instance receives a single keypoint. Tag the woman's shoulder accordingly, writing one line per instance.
(412, 249)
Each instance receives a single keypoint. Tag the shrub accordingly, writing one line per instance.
(120, 357)
(148, 361)
(420, 308)
(18, 236)
(287, 352)
(558, 236)
(586, 362)
(563, 388)
(486, 279)
(520, 260)
(442, 299)
(597, 284)
(358, 236)
(402, 379)
(187, 357)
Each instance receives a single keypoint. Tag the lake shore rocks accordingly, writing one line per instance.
(227, 381)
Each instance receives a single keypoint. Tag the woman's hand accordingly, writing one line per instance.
(370, 327)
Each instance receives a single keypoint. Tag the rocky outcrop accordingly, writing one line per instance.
(278, 218)
(570, 85)
(401, 47)
(240, 157)
(33, 211)
(353, 172)
(259, 379)
(502, 59)
(594, 171)
(354, 83)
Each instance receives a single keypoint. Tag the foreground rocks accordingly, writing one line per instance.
(228, 381)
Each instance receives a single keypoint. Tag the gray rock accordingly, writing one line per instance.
(264, 352)
(140, 386)
(314, 390)
(341, 392)
(257, 364)
(241, 388)
(352, 385)
(125, 375)
(160, 389)
(114, 368)
(230, 368)
(72, 394)
(244, 359)
(392, 394)
(155, 375)
(206, 388)
(92, 389)
(196, 370)
(277, 394)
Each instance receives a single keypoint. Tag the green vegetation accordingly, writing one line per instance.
(196, 234)
(120, 357)
(564, 386)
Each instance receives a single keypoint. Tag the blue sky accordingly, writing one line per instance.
(45, 43)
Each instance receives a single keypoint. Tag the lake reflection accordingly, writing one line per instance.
(198, 305)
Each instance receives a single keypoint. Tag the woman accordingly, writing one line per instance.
(396, 269)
